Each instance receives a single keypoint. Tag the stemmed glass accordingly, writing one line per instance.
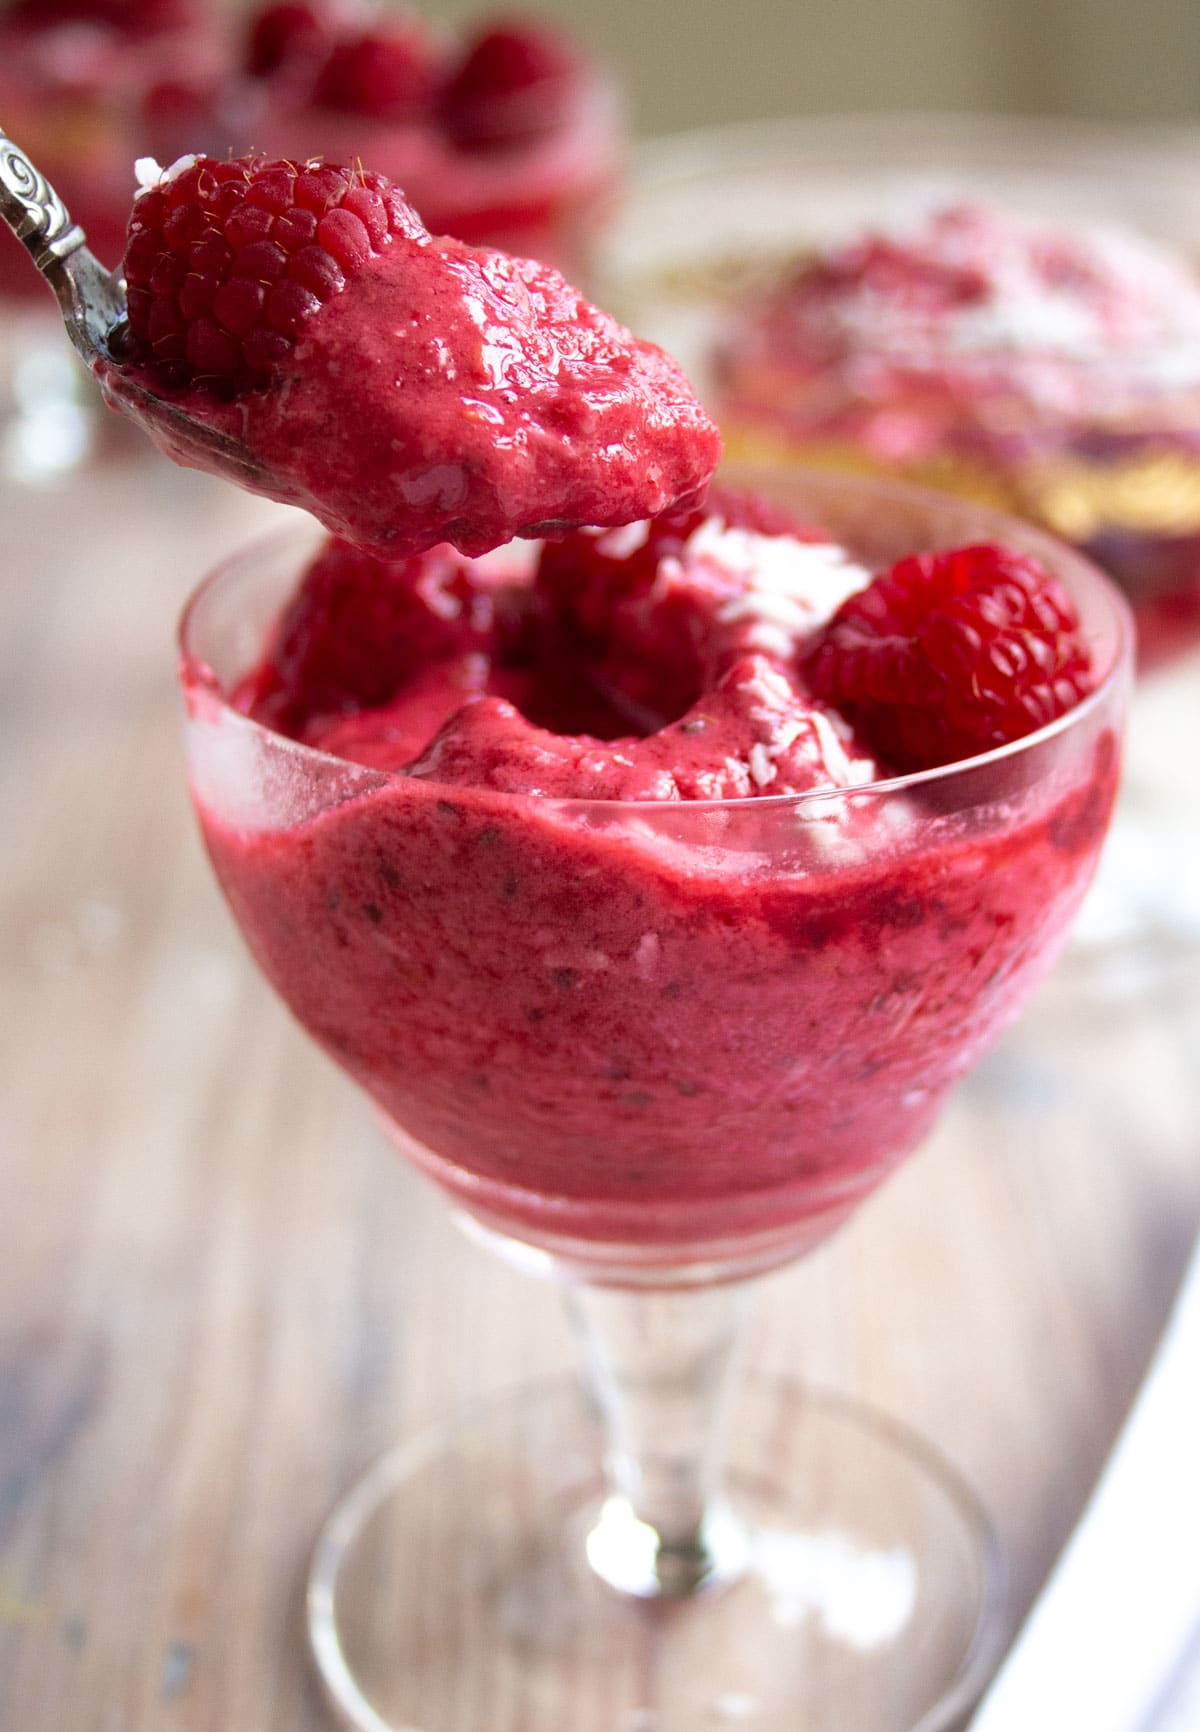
(655, 1051)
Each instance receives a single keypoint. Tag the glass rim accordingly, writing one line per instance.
(1120, 666)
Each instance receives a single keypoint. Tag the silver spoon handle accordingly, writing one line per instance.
(91, 298)
(33, 210)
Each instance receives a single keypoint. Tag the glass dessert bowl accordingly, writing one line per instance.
(657, 1048)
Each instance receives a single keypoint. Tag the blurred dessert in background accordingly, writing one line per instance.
(1050, 371)
(506, 136)
(88, 85)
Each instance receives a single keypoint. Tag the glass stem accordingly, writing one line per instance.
(661, 1366)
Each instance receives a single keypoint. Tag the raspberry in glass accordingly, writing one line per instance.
(951, 654)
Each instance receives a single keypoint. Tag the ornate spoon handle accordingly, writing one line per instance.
(33, 210)
(91, 299)
(92, 302)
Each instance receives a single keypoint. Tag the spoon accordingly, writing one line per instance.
(92, 302)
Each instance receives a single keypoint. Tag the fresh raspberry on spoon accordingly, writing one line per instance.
(951, 654)
(226, 260)
(404, 388)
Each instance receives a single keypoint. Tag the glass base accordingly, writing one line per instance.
(450, 1590)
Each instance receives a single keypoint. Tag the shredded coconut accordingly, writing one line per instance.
(147, 172)
(789, 588)
(150, 173)
(833, 753)
(762, 767)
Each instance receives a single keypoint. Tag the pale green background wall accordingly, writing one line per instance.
(693, 61)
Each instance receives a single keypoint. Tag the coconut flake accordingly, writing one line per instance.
(150, 173)
(762, 766)
(789, 588)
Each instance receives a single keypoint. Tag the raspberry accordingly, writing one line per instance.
(515, 83)
(951, 654)
(287, 36)
(385, 74)
(225, 261)
(359, 628)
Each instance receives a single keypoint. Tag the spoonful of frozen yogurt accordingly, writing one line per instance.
(295, 327)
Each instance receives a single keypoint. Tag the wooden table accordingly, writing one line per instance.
(221, 1294)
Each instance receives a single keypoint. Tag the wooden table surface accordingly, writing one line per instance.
(221, 1294)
